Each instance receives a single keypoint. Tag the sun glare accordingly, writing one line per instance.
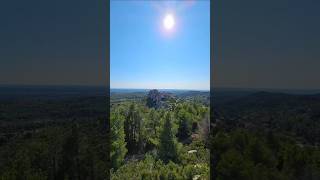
(168, 21)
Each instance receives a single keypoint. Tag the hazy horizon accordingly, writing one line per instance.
(128, 88)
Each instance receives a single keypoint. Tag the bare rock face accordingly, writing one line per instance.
(154, 99)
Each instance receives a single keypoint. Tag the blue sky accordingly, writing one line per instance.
(145, 55)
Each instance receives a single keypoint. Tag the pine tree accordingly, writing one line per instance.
(184, 130)
(118, 146)
(153, 121)
(70, 153)
(167, 149)
(134, 129)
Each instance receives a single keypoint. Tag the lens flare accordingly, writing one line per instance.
(168, 21)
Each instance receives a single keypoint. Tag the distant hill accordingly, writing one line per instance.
(273, 100)
(192, 93)
(291, 113)
(49, 92)
(117, 90)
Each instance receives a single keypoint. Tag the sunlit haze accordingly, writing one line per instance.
(160, 44)
(168, 21)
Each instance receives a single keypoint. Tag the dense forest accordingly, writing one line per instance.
(264, 135)
(50, 134)
(160, 135)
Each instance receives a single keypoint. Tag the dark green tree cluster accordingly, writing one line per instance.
(151, 168)
(167, 134)
(241, 154)
(117, 138)
(167, 146)
(74, 151)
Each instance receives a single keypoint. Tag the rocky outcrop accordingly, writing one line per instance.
(156, 99)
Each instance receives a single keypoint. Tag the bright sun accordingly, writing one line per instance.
(168, 21)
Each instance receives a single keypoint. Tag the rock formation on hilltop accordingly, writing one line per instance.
(154, 99)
